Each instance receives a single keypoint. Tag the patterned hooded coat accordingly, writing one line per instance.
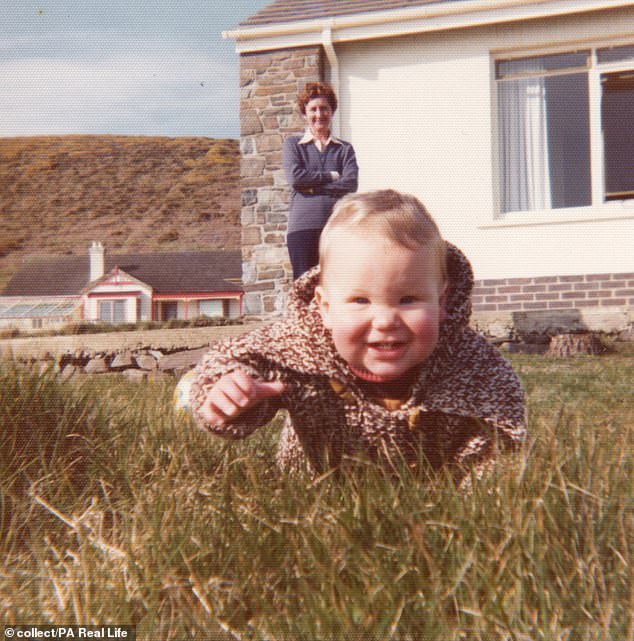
(465, 405)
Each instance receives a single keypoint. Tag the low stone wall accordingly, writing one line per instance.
(162, 353)
(137, 355)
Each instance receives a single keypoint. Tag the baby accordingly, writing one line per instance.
(375, 356)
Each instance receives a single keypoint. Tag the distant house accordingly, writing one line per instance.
(122, 288)
(510, 119)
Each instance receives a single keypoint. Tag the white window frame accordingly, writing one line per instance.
(599, 209)
(111, 302)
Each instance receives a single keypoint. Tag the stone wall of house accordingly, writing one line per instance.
(269, 84)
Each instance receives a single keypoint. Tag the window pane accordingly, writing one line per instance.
(211, 308)
(105, 311)
(569, 140)
(544, 142)
(617, 116)
(554, 62)
(614, 54)
(118, 311)
(170, 311)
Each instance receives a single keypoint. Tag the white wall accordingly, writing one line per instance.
(419, 112)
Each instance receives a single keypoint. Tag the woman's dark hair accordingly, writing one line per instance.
(316, 90)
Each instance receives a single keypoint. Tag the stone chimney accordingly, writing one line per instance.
(96, 254)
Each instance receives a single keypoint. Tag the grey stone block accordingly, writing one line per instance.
(182, 360)
(135, 374)
(96, 365)
(145, 361)
(122, 360)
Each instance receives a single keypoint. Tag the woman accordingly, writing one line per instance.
(320, 169)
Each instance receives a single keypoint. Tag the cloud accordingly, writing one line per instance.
(168, 89)
(168, 64)
(122, 84)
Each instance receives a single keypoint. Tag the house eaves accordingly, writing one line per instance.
(114, 278)
(423, 18)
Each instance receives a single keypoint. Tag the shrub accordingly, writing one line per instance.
(101, 328)
(169, 236)
(9, 244)
(214, 321)
(85, 328)
(10, 332)
(176, 323)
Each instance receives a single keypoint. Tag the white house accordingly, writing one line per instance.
(122, 288)
(510, 119)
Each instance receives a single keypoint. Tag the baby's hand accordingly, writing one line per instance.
(234, 394)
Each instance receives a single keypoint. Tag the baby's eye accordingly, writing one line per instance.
(360, 300)
(407, 300)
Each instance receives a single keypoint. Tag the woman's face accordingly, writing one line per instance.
(318, 116)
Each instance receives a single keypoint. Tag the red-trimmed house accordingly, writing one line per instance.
(123, 288)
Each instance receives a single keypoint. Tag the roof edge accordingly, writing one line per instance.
(423, 18)
(105, 277)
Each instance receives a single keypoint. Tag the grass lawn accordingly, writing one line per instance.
(114, 510)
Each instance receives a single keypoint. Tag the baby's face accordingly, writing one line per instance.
(383, 303)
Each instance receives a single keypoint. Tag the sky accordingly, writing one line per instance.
(130, 67)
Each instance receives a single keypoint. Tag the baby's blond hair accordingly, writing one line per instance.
(401, 218)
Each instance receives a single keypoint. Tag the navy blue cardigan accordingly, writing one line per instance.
(314, 192)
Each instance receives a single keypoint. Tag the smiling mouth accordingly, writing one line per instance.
(386, 346)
